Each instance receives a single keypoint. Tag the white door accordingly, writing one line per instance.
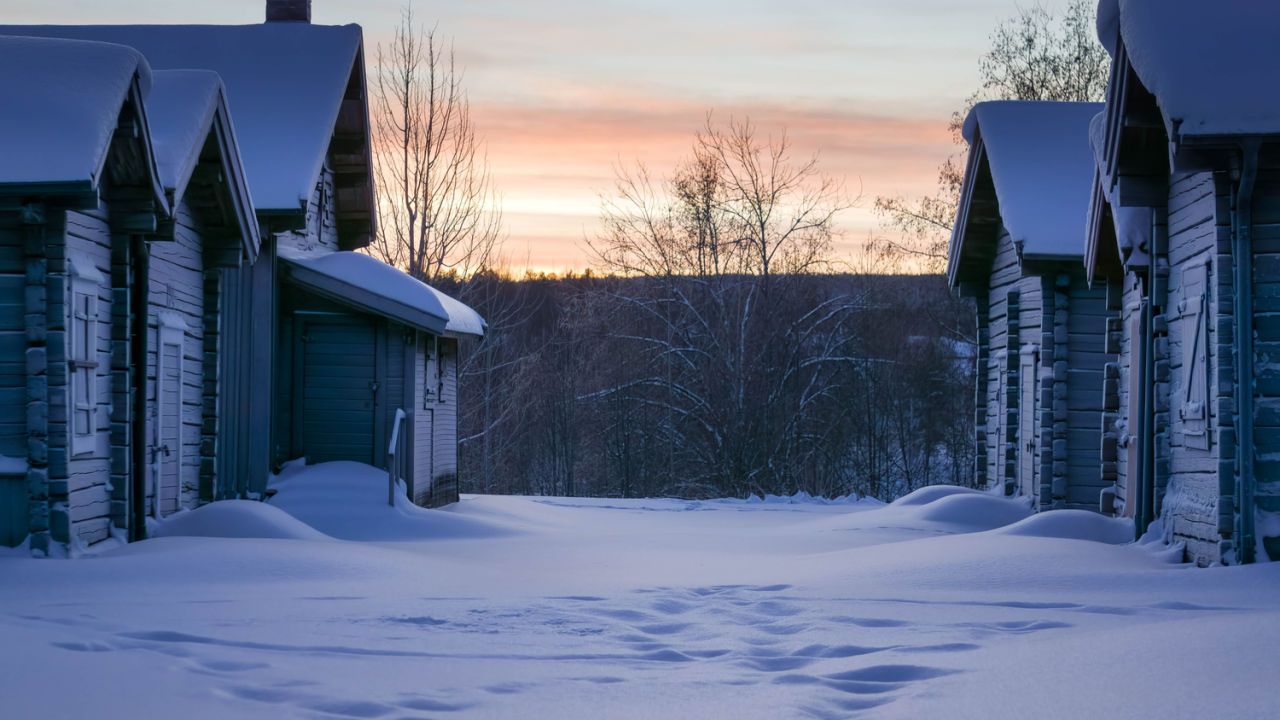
(1027, 441)
(166, 444)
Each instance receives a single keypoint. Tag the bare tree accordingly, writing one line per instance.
(741, 355)
(1035, 55)
(439, 214)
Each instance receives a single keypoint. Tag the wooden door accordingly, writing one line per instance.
(166, 450)
(338, 389)
(1027, 441)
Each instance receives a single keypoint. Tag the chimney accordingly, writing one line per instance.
(289, 11)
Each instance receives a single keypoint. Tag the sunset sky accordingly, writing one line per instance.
(564, 91)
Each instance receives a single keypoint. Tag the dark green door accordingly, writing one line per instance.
(339, 389)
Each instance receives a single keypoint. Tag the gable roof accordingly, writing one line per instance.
(1034, 161)
(63, 101)
(285, 84)
(187, 110)
(1210, 65)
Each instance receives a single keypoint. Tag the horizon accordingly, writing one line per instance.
(869, 89)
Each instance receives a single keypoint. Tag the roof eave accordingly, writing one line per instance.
(362, 298)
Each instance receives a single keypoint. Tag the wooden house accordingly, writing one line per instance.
(1016, 250)
(298, 98)
(118, 205)
(1182, 232)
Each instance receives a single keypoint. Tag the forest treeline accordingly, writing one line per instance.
(720, 347)
(708, 387)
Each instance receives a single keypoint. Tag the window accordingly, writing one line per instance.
(82, 355)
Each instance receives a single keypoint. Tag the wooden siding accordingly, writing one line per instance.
(14, 511)
(1266, 323)
(1006, 275)
(1086, 359)
(1041, 387)
(445, 427)
(1187, 482)
(1120, 421)
(321, 230)
(79, 485)
(177, 290)
(13, 340)
(423, 413)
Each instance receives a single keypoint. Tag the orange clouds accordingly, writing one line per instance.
(552, 162)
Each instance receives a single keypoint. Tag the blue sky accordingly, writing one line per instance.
(565, 90)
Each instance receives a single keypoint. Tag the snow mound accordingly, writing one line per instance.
(974, 510)
(932, 493)
(237, 519)
(348, 500)
(1073, 525)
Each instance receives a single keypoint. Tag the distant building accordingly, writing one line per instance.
(178, 211)
(1183, 232)
(1016, 250)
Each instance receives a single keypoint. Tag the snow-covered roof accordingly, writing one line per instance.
(1133, 225)
(284, 84)
(357, 279)
(1042, 167)
(181, 108)
(1211, 65)
(62, 103)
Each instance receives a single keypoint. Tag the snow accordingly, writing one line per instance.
(13, 465)
(348, 500)
(237, 519)
(1043, 168)
(638, 609)
(284, 84)
(181, 109)
(1073, 525)
(362, 271)
(932, 493)
(1132, 225)
(1209, 64)
(62, 105)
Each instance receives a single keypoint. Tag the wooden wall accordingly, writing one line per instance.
(1187, 479)
(1014, 318)
(14, 511)
(1086, 359)
(79, 485)
(1266, 322)
(177, 288)
(444, 469)
(423, 413)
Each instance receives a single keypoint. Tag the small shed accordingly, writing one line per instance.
(1186, 200)
(366, 348)
(1016, 250)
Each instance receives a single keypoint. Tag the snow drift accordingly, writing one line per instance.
(348, 500)
(1073, 525)
(237, 519)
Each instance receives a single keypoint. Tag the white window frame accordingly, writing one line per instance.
(84, 283)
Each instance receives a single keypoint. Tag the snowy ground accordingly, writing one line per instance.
(507, 607)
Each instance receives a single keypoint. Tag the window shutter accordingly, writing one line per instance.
(1193, 412)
